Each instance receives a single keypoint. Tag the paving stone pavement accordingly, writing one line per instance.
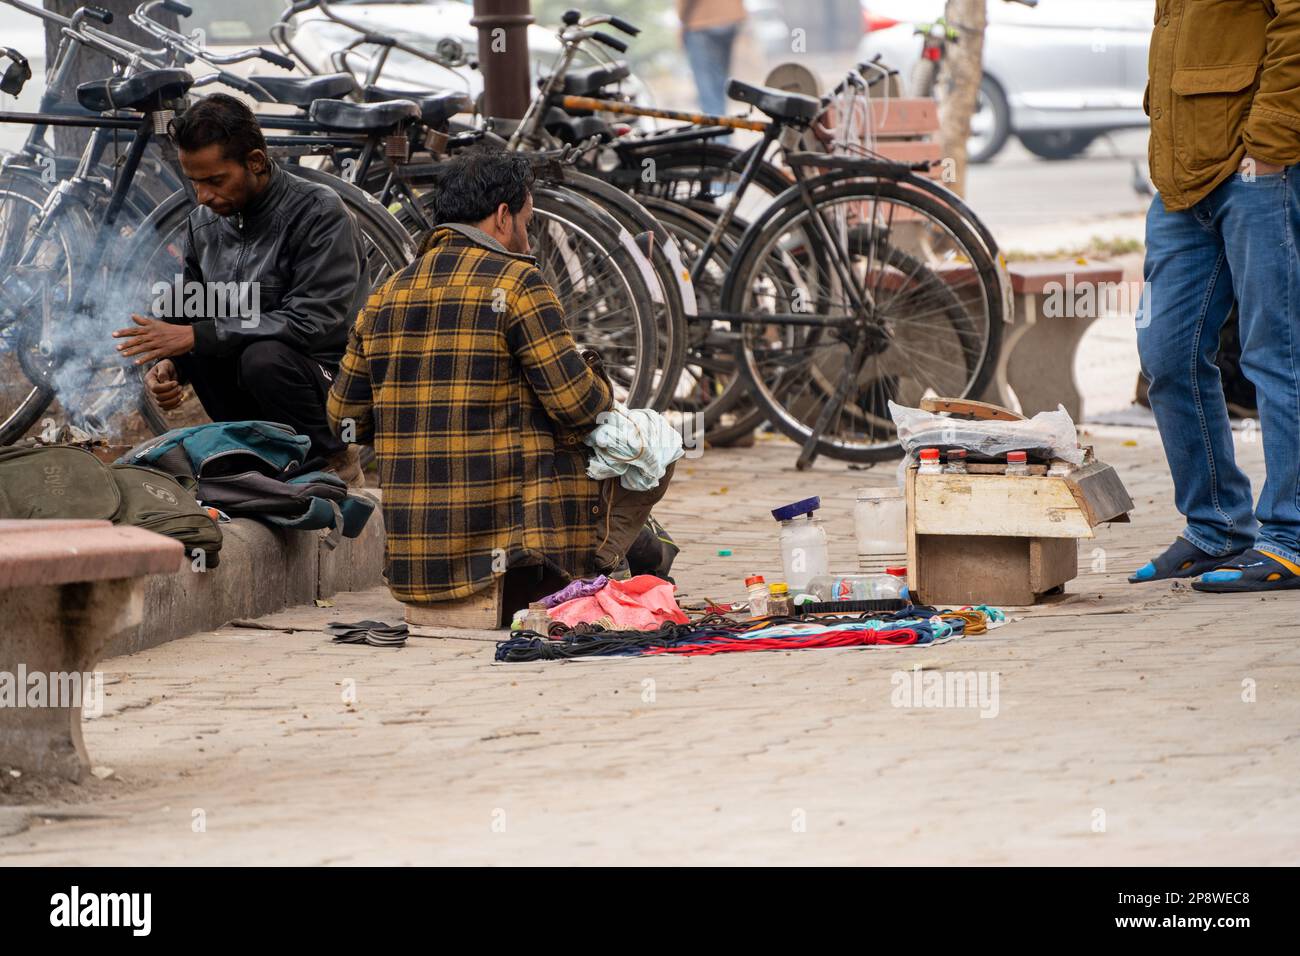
(1133, 725)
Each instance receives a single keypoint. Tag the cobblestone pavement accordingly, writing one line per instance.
(1134, 725)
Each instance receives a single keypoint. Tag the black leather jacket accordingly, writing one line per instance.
(298, 242)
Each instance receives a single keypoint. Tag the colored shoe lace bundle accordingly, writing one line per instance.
(717, 634)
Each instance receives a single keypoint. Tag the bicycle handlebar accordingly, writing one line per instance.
(98, 13)
(620, 24)
(178, 8)
(367, 35)
(181, 45)
(609, 41)
(279, 59)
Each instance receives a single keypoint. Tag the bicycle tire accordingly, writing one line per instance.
(822, 192)
(728, 415)
(72, 224)
(670, 273)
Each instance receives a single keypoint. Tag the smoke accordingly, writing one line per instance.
(72, 298)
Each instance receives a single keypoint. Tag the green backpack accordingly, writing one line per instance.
(64, 481)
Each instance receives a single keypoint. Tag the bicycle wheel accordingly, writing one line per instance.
(605, 294)
(676, 301)
(38, 281)
(156, 255)
(710, 385)
(877, 292)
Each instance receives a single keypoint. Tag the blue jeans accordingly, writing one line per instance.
(709, 54)
(1239, 242)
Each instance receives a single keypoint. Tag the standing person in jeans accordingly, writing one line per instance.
(709, 30)
(1224, 102)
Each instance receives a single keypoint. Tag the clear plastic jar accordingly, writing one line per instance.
(1018, 464)
(929, 462)
(759, 598)
(538, 619)
(956, 463)
(803, 542)
(778, 603)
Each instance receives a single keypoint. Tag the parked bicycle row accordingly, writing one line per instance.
(801, 279)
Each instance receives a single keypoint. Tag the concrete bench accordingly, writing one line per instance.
(67, 589)
(1055, 303)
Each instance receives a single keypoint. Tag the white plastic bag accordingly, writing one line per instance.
(1047, 435)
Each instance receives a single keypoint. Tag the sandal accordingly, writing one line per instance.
(1182, 560)
(1252, 570)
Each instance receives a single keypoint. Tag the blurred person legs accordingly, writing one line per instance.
(709, 30)
(709, 54)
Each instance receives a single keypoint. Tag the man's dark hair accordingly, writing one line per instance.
(223, 120)
(473, 183)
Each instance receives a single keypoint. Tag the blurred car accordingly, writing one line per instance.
(1057, 75)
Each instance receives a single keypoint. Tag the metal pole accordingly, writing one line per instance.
(503, 56)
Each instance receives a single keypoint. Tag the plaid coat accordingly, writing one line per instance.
(463, 374)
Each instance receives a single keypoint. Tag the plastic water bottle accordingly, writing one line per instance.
(803, 542)
(855, 587)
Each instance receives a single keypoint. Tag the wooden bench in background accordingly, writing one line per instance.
(1035, 369)
(67, 588)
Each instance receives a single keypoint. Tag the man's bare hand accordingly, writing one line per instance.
(151, 339)
(164, 384)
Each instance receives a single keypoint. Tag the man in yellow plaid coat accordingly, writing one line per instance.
(462, 373)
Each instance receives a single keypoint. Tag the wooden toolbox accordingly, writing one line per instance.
(992, 538)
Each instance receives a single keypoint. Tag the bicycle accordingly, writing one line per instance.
(902, 233)
(634, 241)
(64, 264)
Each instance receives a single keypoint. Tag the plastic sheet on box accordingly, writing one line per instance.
(1046, 436)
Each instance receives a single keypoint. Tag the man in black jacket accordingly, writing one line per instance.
(273, 263)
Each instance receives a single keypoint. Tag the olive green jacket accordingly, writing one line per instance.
(1224, 84)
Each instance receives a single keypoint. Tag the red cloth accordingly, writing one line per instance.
(639, 604)
(901, 636)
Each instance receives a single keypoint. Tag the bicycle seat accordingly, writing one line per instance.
(590, 79)
(302, 91)
(146, 91)
(435, 108)
(777, 104)
(345, 117)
